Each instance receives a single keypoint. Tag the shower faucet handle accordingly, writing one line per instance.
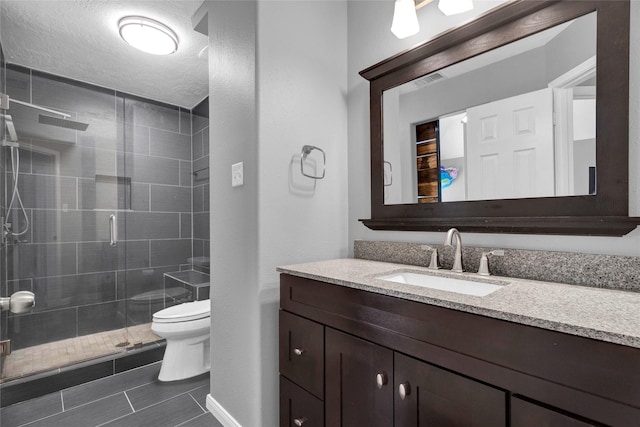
(19, 302)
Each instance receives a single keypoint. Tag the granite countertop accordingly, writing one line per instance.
(602, 314)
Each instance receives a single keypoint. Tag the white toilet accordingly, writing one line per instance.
(186, 329)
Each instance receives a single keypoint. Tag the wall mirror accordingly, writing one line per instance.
(514, 122)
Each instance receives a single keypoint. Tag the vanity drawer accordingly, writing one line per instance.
(302, 352)
(298, 407)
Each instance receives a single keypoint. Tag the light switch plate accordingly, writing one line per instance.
(237, 174)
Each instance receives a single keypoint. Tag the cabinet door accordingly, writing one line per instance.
(426, 395)
(299, 407)
(527, 414)
(359, 380)
(302, 352)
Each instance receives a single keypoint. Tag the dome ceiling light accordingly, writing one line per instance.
(148, 35)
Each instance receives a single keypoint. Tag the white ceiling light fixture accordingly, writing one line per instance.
(453, 7)
(148, 35)
(405, 19)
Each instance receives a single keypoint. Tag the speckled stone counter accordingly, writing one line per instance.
(598, 271)
(602, 314)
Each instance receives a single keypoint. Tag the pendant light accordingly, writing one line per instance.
(453, 7)
(405, 19)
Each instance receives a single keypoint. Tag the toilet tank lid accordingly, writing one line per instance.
(184, 312)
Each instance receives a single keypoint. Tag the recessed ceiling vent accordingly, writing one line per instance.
(427, 80)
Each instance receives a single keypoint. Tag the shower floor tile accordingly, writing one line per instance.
(46, 357)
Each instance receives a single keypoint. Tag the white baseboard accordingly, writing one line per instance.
(220, 413)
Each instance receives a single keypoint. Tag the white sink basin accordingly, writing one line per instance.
(460, 286)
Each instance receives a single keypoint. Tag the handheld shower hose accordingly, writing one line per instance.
(15, 194)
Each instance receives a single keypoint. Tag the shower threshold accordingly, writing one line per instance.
(58, 354)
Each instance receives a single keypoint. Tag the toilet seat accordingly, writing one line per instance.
(184, 312)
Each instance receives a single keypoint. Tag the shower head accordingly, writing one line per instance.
(63, 123)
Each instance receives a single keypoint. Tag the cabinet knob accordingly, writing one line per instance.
(298, 352)
(299, 421)
(381, 379)
(404, 390)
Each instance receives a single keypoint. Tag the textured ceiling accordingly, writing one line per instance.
(79, 39)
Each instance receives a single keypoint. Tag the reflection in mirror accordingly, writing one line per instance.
(514, 122)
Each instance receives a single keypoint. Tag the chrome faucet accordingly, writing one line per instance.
(457, 257)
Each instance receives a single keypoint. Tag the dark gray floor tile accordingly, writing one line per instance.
(200, 395)
(104, 387)
(91, 414)
(204, 420)
(151, 394)
(31, 410)
(166, 414)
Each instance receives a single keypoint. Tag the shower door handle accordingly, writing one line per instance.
(113, 230)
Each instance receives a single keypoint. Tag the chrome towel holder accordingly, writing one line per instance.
(306, 150)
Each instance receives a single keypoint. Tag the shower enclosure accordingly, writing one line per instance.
(106, 202)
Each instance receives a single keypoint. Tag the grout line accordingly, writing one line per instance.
(197, 403)
(127, 397)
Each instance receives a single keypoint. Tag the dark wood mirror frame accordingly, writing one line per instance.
(605, 213)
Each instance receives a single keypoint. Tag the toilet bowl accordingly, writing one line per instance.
(186, 329)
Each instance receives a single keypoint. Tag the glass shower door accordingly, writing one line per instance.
(64, 229)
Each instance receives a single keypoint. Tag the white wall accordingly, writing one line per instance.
(302, 86)
(278, 80)
(370, 42)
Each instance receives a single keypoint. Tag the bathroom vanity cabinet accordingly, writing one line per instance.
(350, 357)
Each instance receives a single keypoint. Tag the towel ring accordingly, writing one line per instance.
(306, 150)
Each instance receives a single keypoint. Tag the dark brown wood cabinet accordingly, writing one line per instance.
(299, 407)
(349, 351)
(359, 382)
(528, 414)
(436, 397)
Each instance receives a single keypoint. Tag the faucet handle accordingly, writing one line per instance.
(484, 261)
(434, 264)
